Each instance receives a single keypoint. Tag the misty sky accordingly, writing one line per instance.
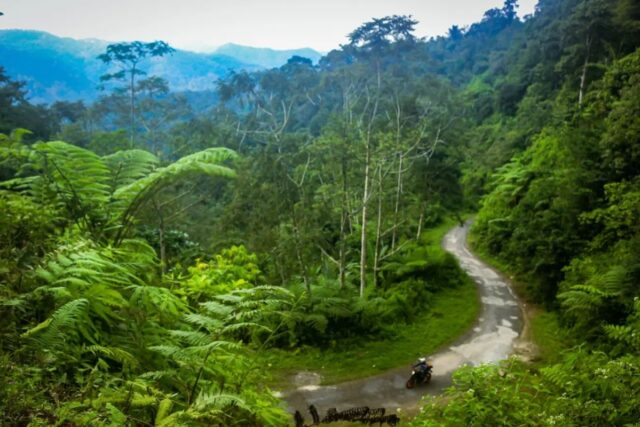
(203, 24)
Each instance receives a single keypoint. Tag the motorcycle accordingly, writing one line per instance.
(421, 374)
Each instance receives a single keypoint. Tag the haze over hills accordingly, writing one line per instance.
(265, 57)
(62, 68)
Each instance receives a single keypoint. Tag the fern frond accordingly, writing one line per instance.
(193, 338)
(129, 166)
(217, 308)
(54, 332)
(241, 326)
(206, 322)
(116, 354)
(129, 198)
(79, 175)
(153, 298)
(217, 401)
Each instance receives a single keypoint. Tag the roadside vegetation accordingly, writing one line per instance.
(450, 313)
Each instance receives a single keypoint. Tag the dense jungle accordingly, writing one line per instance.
(173, 258)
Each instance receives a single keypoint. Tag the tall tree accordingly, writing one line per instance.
(127, 58)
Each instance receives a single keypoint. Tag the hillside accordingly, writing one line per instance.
(62, 68)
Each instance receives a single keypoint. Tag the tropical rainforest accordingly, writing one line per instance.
(164, 257)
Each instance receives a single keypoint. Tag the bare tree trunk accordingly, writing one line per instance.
(420, 223)
(303, 266)
(133, 106)
(366, 190)
(343, 226)
(583, 77)
(376, 257)
(363, 235)
(396, 209)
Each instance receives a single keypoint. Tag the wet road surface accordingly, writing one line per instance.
(490, 340)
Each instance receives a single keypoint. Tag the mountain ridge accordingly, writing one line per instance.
(64, 68)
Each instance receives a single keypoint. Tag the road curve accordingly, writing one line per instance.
(491, 339)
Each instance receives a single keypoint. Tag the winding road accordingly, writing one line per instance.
(491, 339)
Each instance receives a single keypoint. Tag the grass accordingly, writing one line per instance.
(452, 312)
(549, 336)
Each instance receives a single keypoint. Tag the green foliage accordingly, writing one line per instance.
(381, 32)
(103, 195)
(231, 269)
(355, 356)
(344, 165)
(582, 389)
(546, 202)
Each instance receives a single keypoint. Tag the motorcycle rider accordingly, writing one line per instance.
(421, 373)
(422, 366)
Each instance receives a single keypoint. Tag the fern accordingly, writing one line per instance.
(211, 402)
(79, 177)
(128, 166)
(156, 299)
(583, 298)
(629, 334)
(192, 338)
(206, 322)
(66, 321)
(116, 354)
(130, 198)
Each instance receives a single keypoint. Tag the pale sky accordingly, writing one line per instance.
(204, 24)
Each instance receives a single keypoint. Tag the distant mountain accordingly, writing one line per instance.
(265, 57)
(60, 68)
(53, 67)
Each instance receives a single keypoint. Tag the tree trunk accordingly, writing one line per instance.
(133, 107)
(163, 252)
(343, 226)
(376, 257)
(303, 266)
(363, 235)
(583, 77)
(420, 223)
(396, 209)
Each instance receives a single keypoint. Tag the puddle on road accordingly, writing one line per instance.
(308, 381)
(498, 301)
(488, 348)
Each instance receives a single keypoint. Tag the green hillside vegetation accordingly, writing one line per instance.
(163, 265)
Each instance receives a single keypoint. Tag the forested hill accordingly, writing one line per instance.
(64, 69)
(156, 253)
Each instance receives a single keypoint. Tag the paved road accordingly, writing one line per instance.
(491, 339)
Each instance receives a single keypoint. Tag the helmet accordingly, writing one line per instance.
(422, 360)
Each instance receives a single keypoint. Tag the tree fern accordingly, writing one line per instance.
(130, 198)
(78, 176)
(128, 166)
(102, 195)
